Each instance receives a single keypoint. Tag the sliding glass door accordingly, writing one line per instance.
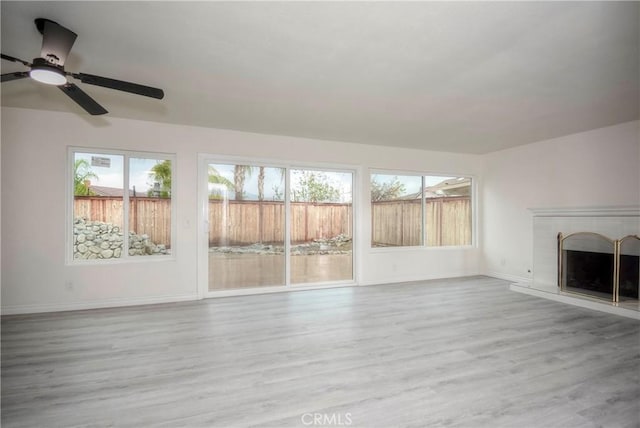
(246, 226)
(270, 226)
(321, 213)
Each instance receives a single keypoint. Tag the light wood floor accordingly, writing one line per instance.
(233, 271)
(456, 353)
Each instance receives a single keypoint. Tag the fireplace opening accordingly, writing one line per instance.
(589, 272)
(594, 265)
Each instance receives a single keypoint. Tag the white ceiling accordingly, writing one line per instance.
(469, 77)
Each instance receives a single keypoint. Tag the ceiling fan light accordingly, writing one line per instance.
(49, 77)
(48, 74)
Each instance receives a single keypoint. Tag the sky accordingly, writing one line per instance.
(411, 183)
(139, 169)
(274, 179)
(112, 176)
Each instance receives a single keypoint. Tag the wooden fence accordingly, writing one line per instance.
(395, 223)
(246, 222)
(150, 216)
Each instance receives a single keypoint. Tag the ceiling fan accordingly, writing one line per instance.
(49, 68)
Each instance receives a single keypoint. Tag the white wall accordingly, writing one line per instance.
(592, 169)
(34, 150)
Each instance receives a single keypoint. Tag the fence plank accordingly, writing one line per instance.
(151, 216)
(394, 223)
(397, 223)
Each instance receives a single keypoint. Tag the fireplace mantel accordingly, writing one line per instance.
(615, 222)
(606, 211)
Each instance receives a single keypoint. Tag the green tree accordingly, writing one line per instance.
(386, 191)
(216, 178)
(161, 174)
(314, 187)
(82, 176)
(277, 192)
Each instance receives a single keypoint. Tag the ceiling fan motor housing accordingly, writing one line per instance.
(45, 72)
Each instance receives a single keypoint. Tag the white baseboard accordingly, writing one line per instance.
(509, 277)
(80, 306)
(577, 301)
(275, 289)
(414, 278)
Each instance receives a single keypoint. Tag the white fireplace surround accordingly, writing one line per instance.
(614, 222)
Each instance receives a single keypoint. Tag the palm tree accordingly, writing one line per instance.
(161, 174)
(240, 172)
(216, 178)
(261, 184)
(82, 176)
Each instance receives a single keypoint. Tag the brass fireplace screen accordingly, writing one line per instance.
(596, 266)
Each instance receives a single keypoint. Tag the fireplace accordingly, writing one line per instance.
(629, 268)
(599, 267)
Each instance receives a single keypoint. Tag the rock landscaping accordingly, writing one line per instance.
(340, 244)
(98, 240)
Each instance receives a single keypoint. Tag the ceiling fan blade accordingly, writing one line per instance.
(13, 59)
(14, 76)
(120, 85)
(56, 41)
(84, 100)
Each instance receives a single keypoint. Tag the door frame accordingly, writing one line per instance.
(204, 159)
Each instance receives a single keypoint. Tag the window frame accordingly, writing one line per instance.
(127, 155)
(423, 244)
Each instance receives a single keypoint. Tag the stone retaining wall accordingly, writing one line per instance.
(340, 244)
(98, 240)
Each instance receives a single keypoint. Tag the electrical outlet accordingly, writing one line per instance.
(68, 285)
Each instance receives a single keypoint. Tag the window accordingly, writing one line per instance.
(409, 210)
(103, 211)
(396, 210)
